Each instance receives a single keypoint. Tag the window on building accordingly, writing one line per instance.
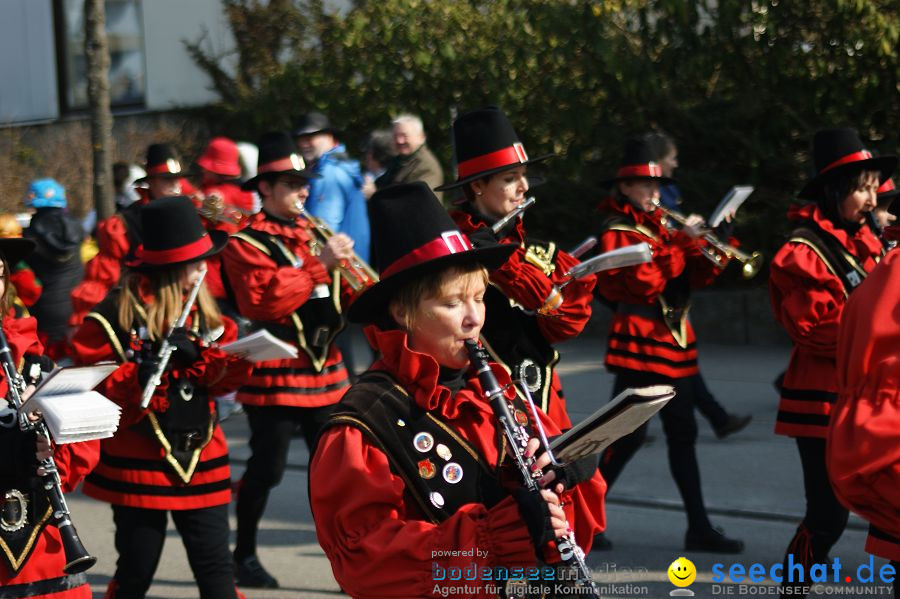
(125, 36)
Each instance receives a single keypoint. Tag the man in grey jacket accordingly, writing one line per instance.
(414, 161)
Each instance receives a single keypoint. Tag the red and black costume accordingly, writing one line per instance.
(811, 278)
(651, 340)
(863, 451)
(31, 551)
(172, 456)
(516, 331)
(235, 205)
(279, 285)
(382, 507)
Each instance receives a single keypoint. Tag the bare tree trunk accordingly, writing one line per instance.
(97, 53)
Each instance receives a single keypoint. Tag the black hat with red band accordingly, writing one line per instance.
(173, 236)
(413, 236)
(277, 156)
(485, 143)
(836, 151)
(163, 162)
(887, 192)
(638, 162)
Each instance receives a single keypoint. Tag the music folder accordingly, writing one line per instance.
(261, 346)
(72, 410)
(730, 203)
(622, 415)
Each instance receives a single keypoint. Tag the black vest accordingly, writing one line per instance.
(187, 426)
(316, 323)
(426, 453)
(832, 252)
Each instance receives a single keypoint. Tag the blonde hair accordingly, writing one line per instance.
(167, 304)
(408, 297)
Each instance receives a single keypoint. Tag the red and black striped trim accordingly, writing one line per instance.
(122, 487)
(128, 463)
(654, 342)
(804, 412)
(296, 371)
(291, 390)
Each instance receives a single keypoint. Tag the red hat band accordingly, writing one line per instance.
(169, 167)
(651, 169)
(450, 242)
(514, 154)
(887, 186)
(288, 163)
(182, 253)
(854, 157)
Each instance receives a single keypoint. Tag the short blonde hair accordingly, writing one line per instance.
(408, 298)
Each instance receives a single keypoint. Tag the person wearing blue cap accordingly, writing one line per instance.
(56, 261)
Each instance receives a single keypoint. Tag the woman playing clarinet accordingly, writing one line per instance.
(410, 476)
(527, 312)
(32, 560)
(170, 455)
(827, 256)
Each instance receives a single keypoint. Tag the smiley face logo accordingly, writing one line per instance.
(682, 572)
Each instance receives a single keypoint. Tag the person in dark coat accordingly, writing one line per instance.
(56, 262)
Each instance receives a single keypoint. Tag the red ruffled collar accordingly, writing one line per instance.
(418, 374)
(21, 333)
(863, 236)
(297, 230)
(612, 204)
(468, 221)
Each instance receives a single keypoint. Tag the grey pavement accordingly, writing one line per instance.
(752, 485)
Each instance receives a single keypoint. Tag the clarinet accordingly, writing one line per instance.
(877, 229)
(517, 437)
(77, 557)
(166, 349)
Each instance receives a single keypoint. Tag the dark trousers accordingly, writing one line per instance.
(140, 534)
(825, 517)
(680, 428)
(271, 431)
(706, 402)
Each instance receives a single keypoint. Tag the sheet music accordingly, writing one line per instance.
(730, 203)
(261, 346)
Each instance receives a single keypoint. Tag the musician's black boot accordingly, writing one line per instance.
(733, 424)
(250, 573)
(711, 540)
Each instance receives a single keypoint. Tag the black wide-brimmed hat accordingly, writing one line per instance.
(162, 161)
(413, 235)
(485, 143)
(15, 249)
(312, 123)
(887, 192)
(277, 156)
(639, 162)
(173, 235)
(838, 150)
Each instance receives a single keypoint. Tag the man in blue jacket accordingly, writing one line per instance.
(337, 196)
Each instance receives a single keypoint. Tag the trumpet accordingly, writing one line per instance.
(751, 263)
(358, 274)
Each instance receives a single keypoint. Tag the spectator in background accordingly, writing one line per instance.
(336, 196)
(379, 151)
(56, 261)
(414, 161)
(23, 279)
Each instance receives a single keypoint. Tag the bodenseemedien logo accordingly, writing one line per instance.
(682, 573)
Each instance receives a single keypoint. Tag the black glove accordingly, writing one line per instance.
(724, 230)
(483, 238)
(536, 515)
(577, 472)
(146, 368)
(186, 351)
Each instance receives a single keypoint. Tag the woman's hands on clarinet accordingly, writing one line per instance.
(542, 511)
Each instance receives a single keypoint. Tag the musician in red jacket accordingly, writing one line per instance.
(527, 312)
(32, 560)
(828, 254)
(279, 284)
(863, 446)
(651, 340)
(119, 234)
(409, 479)
(170, 457)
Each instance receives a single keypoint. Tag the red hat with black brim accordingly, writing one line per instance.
(414, 236)
(163, 162)
(173, 236)
(638, 162)
(277, 156)
(486, 143)
(15, 249)
(836, 151)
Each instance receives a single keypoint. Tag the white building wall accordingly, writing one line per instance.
(28, 88)
(173, 79)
